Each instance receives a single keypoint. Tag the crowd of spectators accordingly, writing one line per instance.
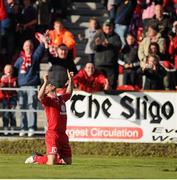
(137, 41)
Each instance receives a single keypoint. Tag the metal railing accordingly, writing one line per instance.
(19, 110)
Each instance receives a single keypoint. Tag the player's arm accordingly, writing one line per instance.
(70, 86)
(42, 90)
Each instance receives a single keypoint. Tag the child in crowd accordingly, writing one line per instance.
(88, 35)
(9, 98)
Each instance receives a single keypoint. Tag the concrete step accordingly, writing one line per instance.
(78, 19)
(86, 12)
(87, 5)
(85, 1)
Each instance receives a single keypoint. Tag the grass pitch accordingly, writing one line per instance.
(88, 167)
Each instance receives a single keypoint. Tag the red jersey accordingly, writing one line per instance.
(55, 110)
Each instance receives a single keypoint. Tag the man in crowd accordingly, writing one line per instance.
(107, 45)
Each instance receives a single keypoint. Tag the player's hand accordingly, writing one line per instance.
(45, 77)
(70, 74)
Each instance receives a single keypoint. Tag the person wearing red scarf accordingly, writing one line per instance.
(28, 68)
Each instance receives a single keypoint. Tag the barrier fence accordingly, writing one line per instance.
(17, 110)
(119, 116)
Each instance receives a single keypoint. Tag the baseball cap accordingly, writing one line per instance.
(108, 23)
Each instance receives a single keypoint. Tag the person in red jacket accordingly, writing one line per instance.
(4, 24)
(173, 44)
(90, 80)
(9, 100)
(58, 150)
(3, 17)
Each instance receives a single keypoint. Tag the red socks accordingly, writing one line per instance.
(43, 159)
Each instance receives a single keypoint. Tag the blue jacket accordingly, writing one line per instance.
(124, 11)
(31, 77)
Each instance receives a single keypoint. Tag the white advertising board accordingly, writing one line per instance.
(149, 117)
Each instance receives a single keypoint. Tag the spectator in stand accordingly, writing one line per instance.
(27, 67)
(148, 12)
(136, 21)
(58, 66)
(170, 7)
(175, 6)
(163, 59)
(88, 35)
(129, 60)
(107, 45)
(59, 8)
(4, 24)
(111, 8)
(90, 80)
(154, 50)
(124, 14)
(154, 74)
(9, 100)
(4, 21)
(162, 21)
(173, 46)
(152, 35)
(11, 40)
(60, 35)
(27, 22)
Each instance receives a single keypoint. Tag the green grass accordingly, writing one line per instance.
(12, 166)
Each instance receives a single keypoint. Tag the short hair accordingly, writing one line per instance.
(153, 24)
(58, 20)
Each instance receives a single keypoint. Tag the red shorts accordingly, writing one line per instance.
(57, 143)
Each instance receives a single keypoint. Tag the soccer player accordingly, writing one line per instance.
(58, 150)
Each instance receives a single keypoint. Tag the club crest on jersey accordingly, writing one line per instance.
(63, 108)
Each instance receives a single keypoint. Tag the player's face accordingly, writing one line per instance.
(50, 88)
